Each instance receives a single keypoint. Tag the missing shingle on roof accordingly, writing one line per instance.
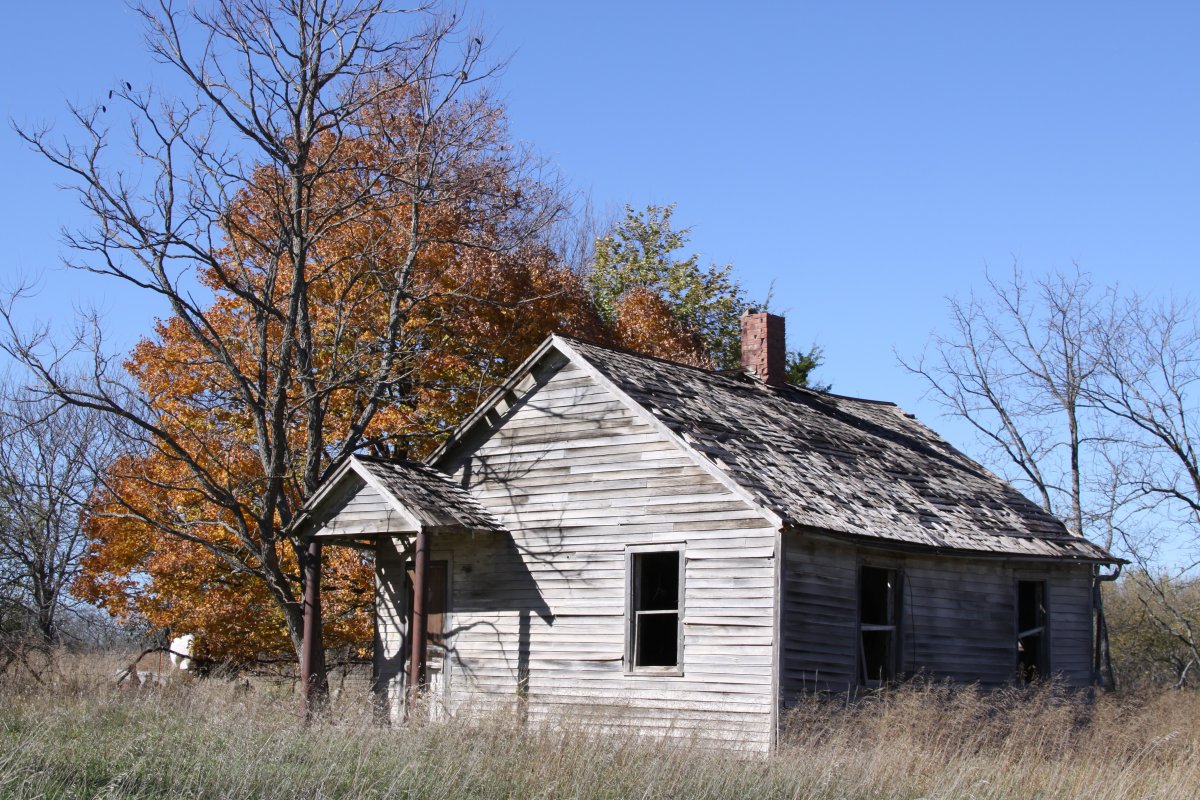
(880, 467)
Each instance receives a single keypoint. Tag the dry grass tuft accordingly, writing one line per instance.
(74, 735)
(937, 741)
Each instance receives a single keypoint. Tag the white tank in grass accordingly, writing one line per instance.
(181, 651)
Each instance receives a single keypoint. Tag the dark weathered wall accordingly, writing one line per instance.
(819, 620)
(1071, 626)
(957, 616)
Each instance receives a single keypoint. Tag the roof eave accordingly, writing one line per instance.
(896, 545)
(353, 465)
(304, 516)
(464, 428)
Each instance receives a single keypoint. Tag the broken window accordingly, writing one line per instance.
(1031, 630)
(655, 602)
(878, 614)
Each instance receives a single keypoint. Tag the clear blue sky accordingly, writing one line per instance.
(868, 158)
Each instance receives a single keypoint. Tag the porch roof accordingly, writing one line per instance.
(369, 496)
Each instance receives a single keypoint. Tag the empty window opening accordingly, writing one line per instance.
(654, 618)
(878, 609)
(1031, 629)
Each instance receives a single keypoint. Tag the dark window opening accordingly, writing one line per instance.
(654, 618)
(878, 613)
(1031, 630)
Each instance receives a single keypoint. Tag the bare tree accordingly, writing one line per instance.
(1088, 399)
(1147, 387)
(1014, 366)
(50, 454)
(1145, 390)
(1152, 618)
(308, 119)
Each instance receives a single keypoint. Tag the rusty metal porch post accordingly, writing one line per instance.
(418, 620)
(312, 666)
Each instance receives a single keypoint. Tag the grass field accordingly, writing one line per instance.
(75, 736)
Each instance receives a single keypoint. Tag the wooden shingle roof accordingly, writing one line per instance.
(429, 495)
(400, 497)
(855, 467)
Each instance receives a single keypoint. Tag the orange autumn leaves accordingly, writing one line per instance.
(413, 305)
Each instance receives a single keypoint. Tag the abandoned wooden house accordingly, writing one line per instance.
(689, 551)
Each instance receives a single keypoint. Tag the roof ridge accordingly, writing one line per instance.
(846, 416)
(731, 374)
(839, 463)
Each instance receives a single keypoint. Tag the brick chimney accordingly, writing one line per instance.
(764, 354)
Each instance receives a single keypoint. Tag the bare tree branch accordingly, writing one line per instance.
(309, 124)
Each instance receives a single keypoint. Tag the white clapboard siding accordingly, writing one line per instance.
(391, 611)
(538, 618)
(361, 510)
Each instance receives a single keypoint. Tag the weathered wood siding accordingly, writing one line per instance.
(359, 509)
(576, 477)
(959, 620)
(391, 623)
(957, 616)
(819, 618)
(1072, 631)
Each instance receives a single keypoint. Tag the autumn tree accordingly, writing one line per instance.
(310, 217)
(349, 251)
(636, 274)
(480, 314)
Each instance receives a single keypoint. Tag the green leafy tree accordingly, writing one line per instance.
(800, 366)
(639, 253)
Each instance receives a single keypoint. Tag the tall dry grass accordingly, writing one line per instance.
(75, 735)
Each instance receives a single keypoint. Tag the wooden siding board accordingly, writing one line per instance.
(364, 510)
(553, 606)
(957, 616)
(818, 622)
(390, 624)
(1071, 624)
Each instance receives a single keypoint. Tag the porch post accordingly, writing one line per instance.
(312, 652)
(418, 620)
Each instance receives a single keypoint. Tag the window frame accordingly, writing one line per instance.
(1043, 668)
(896, 601)
(630, 616)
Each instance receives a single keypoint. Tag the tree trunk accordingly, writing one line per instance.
(313, 678)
